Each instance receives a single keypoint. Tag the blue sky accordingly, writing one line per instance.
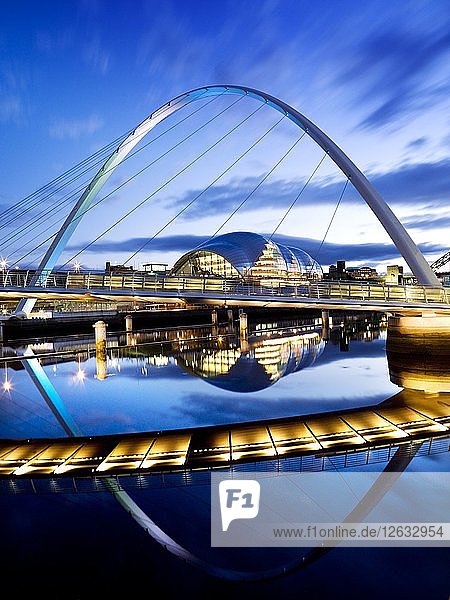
(374, 76)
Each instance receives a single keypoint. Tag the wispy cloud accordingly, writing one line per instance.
(14, 83)
(412, 184)
(95, 55)
(11, 108)
(428, 221)
(75, 128)
(418, 142)
(393, 70)
(329, 253)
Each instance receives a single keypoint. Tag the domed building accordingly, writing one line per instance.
(248, 256)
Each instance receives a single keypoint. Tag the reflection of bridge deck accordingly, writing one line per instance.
(408, 416)
(213, 290)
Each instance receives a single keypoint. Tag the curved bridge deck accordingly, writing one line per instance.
(402, 419)
(356, 295)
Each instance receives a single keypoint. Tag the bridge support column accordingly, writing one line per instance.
(243, 327)
(230, 319)
(215, 330)
(325, 324)
(128, 323)
(418, 352)
(243, 331)
(100, 349)
(129, 329)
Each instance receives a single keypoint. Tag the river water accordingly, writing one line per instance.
(84, 545)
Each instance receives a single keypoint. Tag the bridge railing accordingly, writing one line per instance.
(135, 282)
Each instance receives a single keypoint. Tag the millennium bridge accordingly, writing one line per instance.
(356, 437)
(394, 431)
(141, 287)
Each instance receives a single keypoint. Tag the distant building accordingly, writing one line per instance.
(249, 256)
(394, 274)
(339, 272)
(109, 268)
(362, 273)
(156, 268)
(445, 278)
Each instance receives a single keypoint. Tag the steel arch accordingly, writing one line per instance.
(398, 234)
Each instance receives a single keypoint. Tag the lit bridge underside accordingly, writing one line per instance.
(219, 292)
(407, 417)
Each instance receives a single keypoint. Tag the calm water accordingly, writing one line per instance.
(85, 545)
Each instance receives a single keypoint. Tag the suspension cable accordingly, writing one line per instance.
(177, 174)
(132, 177)
(73, 169)
(191, 202)
(331, 220)
(83, 184)
(298, 196)
(19, 205)
(258, 185)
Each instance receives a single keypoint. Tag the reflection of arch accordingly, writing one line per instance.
(398, 463)
(405, 245)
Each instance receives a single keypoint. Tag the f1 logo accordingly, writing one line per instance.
(239, 499)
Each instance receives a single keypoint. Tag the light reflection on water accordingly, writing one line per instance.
(182, 378)
(177, 378)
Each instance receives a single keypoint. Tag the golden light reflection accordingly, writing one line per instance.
(80, 375)
(409, 415)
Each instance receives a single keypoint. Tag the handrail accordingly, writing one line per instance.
(349, 290)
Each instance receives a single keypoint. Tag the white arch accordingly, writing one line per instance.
(398, 234)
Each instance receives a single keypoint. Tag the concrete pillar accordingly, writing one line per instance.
(325, 324)
(418, 352)
(128, 323)
(129, 329)
(100, 349)
(214, 330)
(243, 332)
(230, 320)
(243, 327)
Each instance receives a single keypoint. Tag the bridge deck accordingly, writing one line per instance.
(215, 290)
(218, 446)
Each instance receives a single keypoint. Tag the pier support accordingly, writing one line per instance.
(325, 324)
(243, 326)
(128, 323)
(243, 331)
(100, 349)
(129, 330)
(215, 330)
(418, 352)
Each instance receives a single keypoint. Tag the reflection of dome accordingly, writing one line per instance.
(244, 254)
(265, 363)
